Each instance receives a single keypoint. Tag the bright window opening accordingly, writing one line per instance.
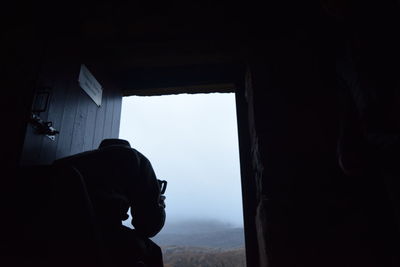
(192, 142)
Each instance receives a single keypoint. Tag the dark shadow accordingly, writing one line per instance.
(69, 213)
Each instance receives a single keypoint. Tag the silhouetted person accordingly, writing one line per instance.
(119, 177)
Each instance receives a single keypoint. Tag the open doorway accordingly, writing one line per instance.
(192, 142)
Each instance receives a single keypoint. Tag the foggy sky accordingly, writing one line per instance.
(191, 141)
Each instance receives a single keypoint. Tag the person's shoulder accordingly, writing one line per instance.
(121, 149)
(121, 152)
(141, 157)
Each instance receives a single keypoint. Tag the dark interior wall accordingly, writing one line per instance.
(293, 150)
(309, 212)
(21, 58)
(301, 59)
(295, 107)
(81, 123)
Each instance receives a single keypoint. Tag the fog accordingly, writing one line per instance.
(192, 142)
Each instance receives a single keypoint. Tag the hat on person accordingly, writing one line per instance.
(114, 142)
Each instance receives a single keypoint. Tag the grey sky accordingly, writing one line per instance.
(191, 141)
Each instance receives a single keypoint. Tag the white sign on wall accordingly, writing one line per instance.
(90, 85)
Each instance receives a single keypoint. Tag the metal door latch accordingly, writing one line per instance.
(43, 127)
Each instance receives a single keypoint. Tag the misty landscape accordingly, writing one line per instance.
(192, 142)
(201, 243)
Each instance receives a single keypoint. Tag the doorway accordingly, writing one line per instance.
(192, 142)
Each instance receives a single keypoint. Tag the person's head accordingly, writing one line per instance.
(114, 142)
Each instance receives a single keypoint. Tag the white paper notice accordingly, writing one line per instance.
(90, 85)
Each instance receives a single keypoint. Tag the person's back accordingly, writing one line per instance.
(118, 177)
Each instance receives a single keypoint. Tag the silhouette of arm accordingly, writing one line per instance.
(148, 213)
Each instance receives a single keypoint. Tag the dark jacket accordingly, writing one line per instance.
(119, 177)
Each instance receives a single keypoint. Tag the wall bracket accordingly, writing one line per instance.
(43, 127)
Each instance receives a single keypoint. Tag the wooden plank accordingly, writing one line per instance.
(90, 126)
(69, 113)
(55, 111)
(117, 99)
(108, 116)
(34, 144)
(77, 142)
(99, 122)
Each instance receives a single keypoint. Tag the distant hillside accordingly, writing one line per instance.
(195, 226)
(224, 239)
(201, 234)
(202, 244)
(202, 257)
